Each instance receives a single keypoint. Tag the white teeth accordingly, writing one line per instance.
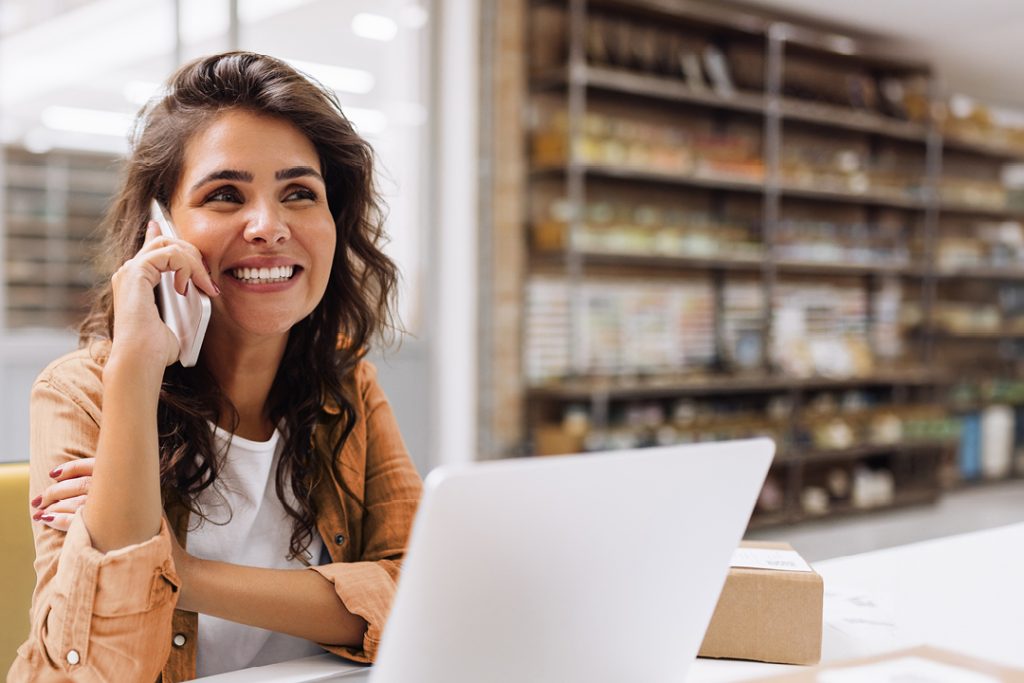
(264, 275)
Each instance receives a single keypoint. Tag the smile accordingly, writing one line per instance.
(256, 276)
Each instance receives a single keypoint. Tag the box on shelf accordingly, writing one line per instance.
(767, 614)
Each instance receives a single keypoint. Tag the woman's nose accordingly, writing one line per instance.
(266, 226)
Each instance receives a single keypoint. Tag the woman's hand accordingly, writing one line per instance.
(58, 503)
(137, 323)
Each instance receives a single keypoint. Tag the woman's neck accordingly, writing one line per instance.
(245, 369)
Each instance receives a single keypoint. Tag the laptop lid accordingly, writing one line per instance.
(576, 568)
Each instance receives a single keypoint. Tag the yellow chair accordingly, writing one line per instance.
(17, 577)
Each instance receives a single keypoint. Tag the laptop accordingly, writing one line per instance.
(602, 567)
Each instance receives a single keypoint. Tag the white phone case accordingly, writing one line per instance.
(187, 315)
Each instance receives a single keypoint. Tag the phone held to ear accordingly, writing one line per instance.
(187, 315)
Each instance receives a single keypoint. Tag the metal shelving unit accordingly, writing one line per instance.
(578, 82)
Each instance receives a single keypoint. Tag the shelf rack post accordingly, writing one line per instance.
(575, 180)
(932, 199)
(775, 47)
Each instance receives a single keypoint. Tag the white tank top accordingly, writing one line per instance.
(247, 525)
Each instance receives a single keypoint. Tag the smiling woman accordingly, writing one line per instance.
(180, 510)
(262, 210)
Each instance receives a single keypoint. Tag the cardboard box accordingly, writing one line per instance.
(918, 664)
(768, 615)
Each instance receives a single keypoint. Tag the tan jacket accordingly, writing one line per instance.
(112, 617)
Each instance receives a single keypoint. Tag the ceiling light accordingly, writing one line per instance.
(338, 78)
(374, 26)
(92, 121)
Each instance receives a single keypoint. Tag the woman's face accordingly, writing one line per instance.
(252, 199)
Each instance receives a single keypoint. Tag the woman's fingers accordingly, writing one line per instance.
(69, 488)
(79, 467)
(60, 521)
(166, 254)
(68, 505)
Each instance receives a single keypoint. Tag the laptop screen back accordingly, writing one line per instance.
(578, 568)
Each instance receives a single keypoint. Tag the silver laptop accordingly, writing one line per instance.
(582, 568)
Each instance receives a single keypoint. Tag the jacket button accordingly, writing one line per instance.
(339, 539)
(73, 657)
(179, 640)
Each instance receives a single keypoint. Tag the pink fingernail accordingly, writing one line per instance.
(215, 287)
(36, 501)
(47, 518)
(37, 516)
(55, 472)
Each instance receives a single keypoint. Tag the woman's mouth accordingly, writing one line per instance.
(261, 276)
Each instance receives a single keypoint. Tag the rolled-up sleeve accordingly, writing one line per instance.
(95, 616)
(392, 491)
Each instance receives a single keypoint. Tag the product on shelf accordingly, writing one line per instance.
(968, 120)
(821, 330)
(996, 441)
(743, 325)
(814, 500)
(830, 242)
(872, 488)
(618, 226)
(630, 143)
(772, 497)
(634, 328)
(976, 244)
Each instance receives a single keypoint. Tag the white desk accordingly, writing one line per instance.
(964, 593)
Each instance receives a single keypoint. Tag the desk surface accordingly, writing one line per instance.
(963, 593)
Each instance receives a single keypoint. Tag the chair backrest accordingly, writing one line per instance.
(17, 577)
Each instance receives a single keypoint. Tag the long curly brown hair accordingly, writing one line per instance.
(357, 306)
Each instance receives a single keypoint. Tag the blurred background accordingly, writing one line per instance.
(620, 224)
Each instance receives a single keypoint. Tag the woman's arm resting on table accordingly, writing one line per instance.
(294, 601)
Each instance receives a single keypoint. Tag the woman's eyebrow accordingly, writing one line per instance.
(298, 172)
(223, 174)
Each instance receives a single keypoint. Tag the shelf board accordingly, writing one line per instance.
(846, 118)
(905, 498)
(868, 198)
(865, 451)
(979, 335)
(584, 389)
(982, 273)
(643, 85)
(985, 148)
(665, 89)
(630, 173)
(555, 259)
(833, 268)
(736, 184)
(648, 261)
(980, 210)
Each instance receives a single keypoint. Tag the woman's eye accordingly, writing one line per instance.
(224, 194)
(300, 193)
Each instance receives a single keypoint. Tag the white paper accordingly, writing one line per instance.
(768, 558)
(905, 670)
(860, 622)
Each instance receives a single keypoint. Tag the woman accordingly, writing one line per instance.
(216, 489)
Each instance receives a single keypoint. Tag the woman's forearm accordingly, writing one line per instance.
(298, 602)
(124, 505)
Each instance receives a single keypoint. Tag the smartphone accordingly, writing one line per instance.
(188, 315)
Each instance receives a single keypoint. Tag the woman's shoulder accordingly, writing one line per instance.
(362, 381)
(78, 374)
